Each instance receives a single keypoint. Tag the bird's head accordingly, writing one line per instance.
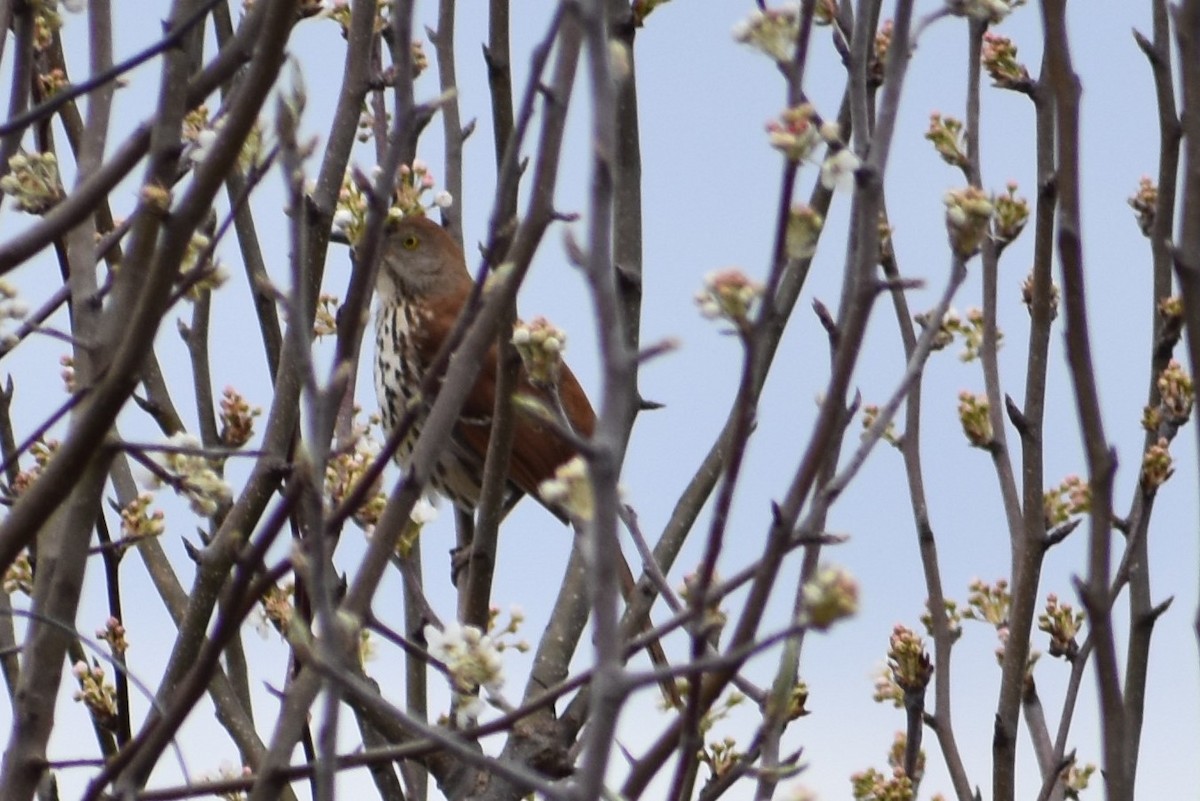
(419, 259)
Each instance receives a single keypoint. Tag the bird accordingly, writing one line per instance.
(422, 286)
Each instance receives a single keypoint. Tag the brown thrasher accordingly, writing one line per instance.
(422, 286)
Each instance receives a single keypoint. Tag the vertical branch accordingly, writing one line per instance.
(1042, 311)
(62, 558)
(10, 663)
(565, 36)
(778, 709)
(475, 591)
(6, 18)
(112, 580)
(560, 639)
(1186, 258)
(477, 541)
(615, 420)
(1101, 461)
(943, 636)
(416, 673)
(788, 671)
(1164, 337)
(22, 78)
(315, 577)
(452, 130)
(499, 70)
(1026, 530)
(627, 179)
(81, 241)
(1025, 525)
(195, 338)
(62, 540)
(990, 258)
(1158, 52)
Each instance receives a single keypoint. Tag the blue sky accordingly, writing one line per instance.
(709, 183)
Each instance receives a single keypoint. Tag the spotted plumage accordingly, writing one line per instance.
(422, 286)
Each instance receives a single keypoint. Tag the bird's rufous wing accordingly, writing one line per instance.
(537, 450)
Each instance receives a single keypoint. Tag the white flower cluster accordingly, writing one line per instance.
(473, 661)
(11, 308)
(771, 31)
(840, 166)
(832, 594)
(203, 145)
(729, 294)
(571, 489)
(990, 11)
(839, 169)
(423, 512)
(412, 183)
(540, 344)
(196, 479)
(33, 182)
(968, 214)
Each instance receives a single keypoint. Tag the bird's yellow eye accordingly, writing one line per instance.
(410, 242)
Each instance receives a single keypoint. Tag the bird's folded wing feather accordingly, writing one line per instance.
(537, 449)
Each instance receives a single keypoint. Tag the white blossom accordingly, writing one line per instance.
(837, 171)
(195, 478)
